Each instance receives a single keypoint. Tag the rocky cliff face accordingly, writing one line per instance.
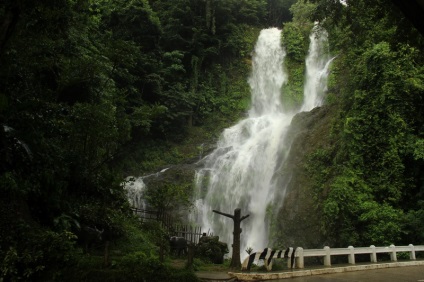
(298, 222)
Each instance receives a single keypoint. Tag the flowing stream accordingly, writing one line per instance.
(241, 172)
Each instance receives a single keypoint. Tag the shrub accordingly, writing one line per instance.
(38, 255)
(141, 266)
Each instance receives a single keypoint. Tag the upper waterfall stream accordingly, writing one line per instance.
(241, 172)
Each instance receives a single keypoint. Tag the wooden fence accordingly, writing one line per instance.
(190, 233)
(147, 215)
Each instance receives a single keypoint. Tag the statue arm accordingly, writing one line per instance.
(224, 214)
(244, 217)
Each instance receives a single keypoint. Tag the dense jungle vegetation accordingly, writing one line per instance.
(369, 178)
(94, 91)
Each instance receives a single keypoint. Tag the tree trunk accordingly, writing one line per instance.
(8, 24)
(237, 219)
(106, 255)
(235, 260)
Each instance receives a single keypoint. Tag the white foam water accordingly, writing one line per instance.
(241, 171)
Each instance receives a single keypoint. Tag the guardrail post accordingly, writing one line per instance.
(300, 261)
(373, 254)
(351, 257)
(327, 258)
(393, 253)
(412, 252)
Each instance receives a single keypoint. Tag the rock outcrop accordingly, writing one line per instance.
(298, 222)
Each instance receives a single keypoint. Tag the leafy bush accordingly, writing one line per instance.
(210, 249)
(140, 265)
(182, 275)
(38, 254)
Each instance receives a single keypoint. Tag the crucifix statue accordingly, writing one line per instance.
(237, 218)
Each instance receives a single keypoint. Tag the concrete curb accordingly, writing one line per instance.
(209, 276)
(240, 276)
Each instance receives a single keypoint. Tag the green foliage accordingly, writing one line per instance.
(11, 185)
(293, 90)
(279, 12)
(211, 250)
(385, 222)
(369, 182)
(295, 42)
(419, 149)
(169, 196)
(414, 219)
(302, 12)
(94, 90)
(143, 267)
(39, 255)
(357, 217)
(90, 91)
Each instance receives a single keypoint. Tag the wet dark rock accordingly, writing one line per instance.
(298, 222)
(182, 173)
(176, 174)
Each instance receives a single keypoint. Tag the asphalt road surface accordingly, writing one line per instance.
(396, 274)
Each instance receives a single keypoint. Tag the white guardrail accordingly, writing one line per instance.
(350, 251)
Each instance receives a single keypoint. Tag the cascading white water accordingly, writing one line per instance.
(317, 67)
(240, 173)
(135, 188)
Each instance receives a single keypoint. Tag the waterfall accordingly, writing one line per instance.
(241, 171)
(317, 67)
(135, 188)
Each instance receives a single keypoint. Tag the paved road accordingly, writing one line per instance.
(397, 274)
